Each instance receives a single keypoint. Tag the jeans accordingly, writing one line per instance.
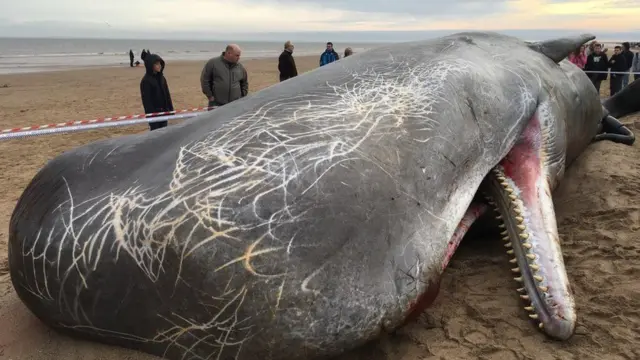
(616, 83)
(625, 79)
(596, 82)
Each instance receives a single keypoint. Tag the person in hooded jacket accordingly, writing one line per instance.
(154, 89)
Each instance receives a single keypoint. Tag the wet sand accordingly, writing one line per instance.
(477, 315)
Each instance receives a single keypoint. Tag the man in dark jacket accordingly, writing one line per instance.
(597, 61)
(154, 89)
(329, 55)
(130, 57)
(618, 64)
(223, 78)
(628, 57)
(286, 63)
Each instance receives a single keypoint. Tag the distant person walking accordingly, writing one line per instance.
(348, 52)
(131, 58)
(628, 57)
(154, 89)
(223, 78)
(618, 64)
(286, 63)
(329, 55)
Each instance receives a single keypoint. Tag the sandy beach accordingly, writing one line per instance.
(477, 314)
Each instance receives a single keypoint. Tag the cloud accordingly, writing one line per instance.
(258, 16)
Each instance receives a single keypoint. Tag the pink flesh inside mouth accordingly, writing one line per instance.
(518, 189)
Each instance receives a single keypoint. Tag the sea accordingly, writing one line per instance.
(22, 55)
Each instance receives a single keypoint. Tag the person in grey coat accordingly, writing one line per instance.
(223, 78)
(635, 66)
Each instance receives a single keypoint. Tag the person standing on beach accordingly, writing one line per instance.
(618, 64)
(130, 57)
(154, 89)
(635, 66)
(597, 66)
(329, 55)
(578, 57)
(628, 57)
(286, 63)
(223, 78)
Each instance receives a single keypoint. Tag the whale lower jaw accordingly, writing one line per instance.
(518, 190)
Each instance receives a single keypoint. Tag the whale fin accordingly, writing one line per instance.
(560, 48)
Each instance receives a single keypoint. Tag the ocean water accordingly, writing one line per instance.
(34, 55)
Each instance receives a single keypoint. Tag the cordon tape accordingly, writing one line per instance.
(72, 126)
(80, 125)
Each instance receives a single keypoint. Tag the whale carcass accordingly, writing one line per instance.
(309, 217)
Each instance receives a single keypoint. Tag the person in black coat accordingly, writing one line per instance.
(597, 66)
(286, 63)
(130, 57)
(154, 89)
(618, 64)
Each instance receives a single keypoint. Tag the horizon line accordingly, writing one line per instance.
(144, 35)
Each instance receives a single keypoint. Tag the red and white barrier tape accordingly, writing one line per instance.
(71, 126)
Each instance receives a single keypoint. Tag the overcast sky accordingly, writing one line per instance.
(118, 17)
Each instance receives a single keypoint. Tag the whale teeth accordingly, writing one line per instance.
(508, 189)
(503, 233)
(527, 245)
(512, 196)
(541, 325)
(518, 279)
(521, 289)
(533, 316)
(510, 252)
(506, 238)
(498, 217)
(517, 211)
(531, 256)
(501, 177)
(513, 261)
(524, 235)
(520, 219)
(524, 297)
(515, 270)
(538, 278)
(543, 288)
(534, 267)
(521, 227)
(528, 308)
(501, 226)
(507, 245)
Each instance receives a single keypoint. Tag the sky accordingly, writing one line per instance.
(206, 18)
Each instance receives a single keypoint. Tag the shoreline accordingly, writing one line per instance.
(126, 67)
(61, 68)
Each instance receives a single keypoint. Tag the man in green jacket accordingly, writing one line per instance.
(223, 78)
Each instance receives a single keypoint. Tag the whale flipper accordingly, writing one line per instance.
(558, 49)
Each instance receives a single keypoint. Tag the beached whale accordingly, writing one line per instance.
(309, 217)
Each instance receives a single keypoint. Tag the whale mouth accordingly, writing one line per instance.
(519, 190)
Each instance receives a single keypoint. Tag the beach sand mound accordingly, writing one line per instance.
(477, 314)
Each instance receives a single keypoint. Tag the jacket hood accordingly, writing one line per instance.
(149, 60)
